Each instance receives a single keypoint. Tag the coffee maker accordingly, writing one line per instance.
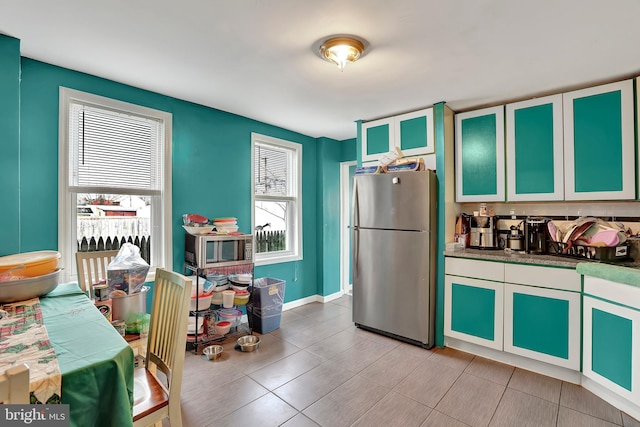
(484, 232)
(535, 233)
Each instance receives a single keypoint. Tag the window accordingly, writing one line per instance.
(277, 199)
(114, 178)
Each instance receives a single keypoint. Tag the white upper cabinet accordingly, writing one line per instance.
(535, 159)
(479, 155)
(412, 132)
(599, 143)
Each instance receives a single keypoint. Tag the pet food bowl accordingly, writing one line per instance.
(249, 342)
(212, 352)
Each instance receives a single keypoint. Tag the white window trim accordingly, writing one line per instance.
(66, 223)
(296, 253)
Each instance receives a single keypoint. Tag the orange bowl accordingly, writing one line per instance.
(35, 264)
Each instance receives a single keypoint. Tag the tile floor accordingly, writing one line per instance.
(318, 369)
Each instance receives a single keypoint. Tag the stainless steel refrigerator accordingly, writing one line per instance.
(394, 242)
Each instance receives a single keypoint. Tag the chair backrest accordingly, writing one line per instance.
(14, 385)
(168, 328)
(92, 267)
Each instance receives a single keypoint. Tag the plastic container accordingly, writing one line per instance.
(203, 287)
(36, 264)
(204, 302)
(222, 327)
(216, 299)
(232, 315)
(241, 297)
(227, 298)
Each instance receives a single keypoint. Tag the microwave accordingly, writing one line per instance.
(209, 250)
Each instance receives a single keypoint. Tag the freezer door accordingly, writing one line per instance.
(393, 283)
(395, 201)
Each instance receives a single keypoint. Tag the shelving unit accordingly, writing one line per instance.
(227, 268)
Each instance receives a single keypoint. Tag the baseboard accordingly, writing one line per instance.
(543, 368)
(313, 298)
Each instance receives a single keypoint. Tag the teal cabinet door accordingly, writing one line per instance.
(599, 143)
(542, 324)
(473, 311)
(479, 155)
(414, 133)
(535, 161)
(611, 346)
(377, 137)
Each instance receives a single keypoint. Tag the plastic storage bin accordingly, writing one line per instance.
(268, 293)
(265, 310)
(263, 325)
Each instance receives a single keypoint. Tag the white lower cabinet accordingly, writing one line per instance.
(611, 336)
(530, 311)
(473, 310)
(542, 324)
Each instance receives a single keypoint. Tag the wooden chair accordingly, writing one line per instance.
(92, 266)
(14, 385)
(153, 400)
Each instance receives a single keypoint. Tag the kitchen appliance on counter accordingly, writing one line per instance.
(394, 248)
(484, 232)
(535, 233)
(515, 239)
(462, 230)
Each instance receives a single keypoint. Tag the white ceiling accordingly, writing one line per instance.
(258, 58)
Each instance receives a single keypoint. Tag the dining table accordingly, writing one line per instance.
(95, 364)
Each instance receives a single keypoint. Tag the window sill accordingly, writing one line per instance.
(276, 259)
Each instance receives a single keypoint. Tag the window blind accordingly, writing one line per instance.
(271, 166)
(115, 150)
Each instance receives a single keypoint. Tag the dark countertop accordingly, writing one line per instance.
(524, 258)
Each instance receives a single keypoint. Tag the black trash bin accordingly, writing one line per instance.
(265, 309)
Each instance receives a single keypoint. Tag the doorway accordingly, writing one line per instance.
(347, 171)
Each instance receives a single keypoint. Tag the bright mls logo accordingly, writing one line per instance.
(35, 415)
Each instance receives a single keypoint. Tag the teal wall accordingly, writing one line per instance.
(211, 166)
(348, 150)
(328, 228)
(9, 143)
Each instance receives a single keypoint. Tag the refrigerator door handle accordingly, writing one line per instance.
(356, 253)
(355, 223)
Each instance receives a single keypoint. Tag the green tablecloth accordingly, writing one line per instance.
(95, 361)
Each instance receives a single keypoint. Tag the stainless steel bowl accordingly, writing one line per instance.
(23, 289)
(248, 342)
(212, 352)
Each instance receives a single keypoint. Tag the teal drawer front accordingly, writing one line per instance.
(378, 139)
(413, 133)
(597, 122)
(612, 342)
(473, 311)
(479, 174)
(541, 324)
(534, 150)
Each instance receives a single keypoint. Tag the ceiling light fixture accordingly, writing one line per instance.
(341, 50)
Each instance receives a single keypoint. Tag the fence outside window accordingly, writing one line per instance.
(271, 241)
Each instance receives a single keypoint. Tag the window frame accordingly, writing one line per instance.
(161, 216)
(295, 216)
